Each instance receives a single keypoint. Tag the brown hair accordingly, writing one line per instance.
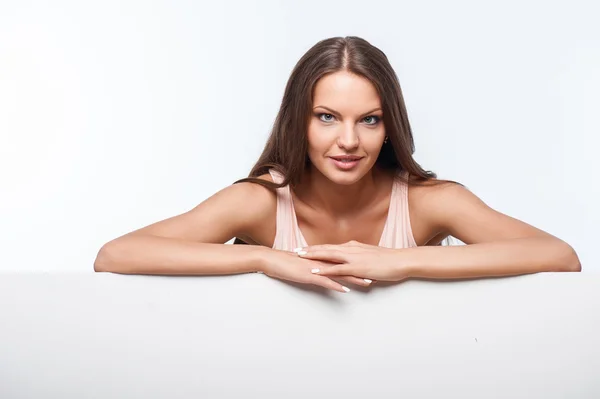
(286, 149)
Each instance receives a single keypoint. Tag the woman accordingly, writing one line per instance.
(336, 197)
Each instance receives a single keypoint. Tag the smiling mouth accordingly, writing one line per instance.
(346, 158)
(346, 163)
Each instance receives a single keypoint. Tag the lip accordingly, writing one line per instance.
(346, 157)
(346, 165)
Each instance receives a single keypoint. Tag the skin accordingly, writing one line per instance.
(331, 203)
(334, 206)
(349, 208)
(341, 215)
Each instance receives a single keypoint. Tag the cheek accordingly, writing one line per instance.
(317, 139)
(374, 142)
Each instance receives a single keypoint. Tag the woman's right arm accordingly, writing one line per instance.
(193, 243)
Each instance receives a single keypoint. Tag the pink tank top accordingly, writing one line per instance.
(397, 232)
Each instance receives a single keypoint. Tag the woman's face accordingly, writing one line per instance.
(346, 120)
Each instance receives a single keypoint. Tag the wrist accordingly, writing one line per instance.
(259, 258)
(417, 262)
(405, 264)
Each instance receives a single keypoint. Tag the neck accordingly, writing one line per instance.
(339, 201)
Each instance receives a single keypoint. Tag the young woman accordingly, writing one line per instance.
(336, 197)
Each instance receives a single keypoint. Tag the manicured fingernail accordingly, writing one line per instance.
(301, 252)
(346, 289)
(315, 270)
(297, 249)
(368, 281)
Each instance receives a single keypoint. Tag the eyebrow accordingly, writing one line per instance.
(338, 114)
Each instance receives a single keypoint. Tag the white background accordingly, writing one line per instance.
(105, 335)
(116, 114)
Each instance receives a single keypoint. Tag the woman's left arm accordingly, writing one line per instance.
(499, 258)
(497, 245)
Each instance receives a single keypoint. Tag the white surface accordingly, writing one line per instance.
(119, 113)
(115, 336)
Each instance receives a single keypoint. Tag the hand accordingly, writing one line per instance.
(288, 266)
(359, 260)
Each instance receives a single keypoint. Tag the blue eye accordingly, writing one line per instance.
(376, 119)
(319, 116)
(373, 118)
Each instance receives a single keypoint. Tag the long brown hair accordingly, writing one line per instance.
(286, 149)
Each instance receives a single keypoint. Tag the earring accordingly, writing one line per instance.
(386, 139)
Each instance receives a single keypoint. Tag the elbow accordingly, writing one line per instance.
(100, 264)
(104, 261)
(569, 260)
(575, 266)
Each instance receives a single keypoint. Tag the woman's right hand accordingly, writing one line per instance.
(289, 266)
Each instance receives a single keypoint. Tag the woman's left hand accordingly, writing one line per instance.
(359, 260)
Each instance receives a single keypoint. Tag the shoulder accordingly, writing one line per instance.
(257, 206)
(427, 201)
(233, 211)
(452, 209)
(253, 195)
(435, 191)
(439, 195)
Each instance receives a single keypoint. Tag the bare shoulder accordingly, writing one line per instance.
(241, 210)
(422, 204)
(254, 207)
(429, 194)
(259, 215)
(447, 208)
(437, 196)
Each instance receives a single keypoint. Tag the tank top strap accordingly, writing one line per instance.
(398, 231)
(287, 232)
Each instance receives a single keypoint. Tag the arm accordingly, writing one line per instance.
(497, 244)
(148, 254)
(193, 242)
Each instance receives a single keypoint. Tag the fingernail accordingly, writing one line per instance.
(301, 252)
(346, 289)
(297, 249)
(368, 281)
(315, 270)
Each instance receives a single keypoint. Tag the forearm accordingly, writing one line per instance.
(142, 254)
(501, 258)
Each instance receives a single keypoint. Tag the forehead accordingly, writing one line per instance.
(343, 89)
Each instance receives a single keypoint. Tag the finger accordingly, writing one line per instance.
(330, 255)
(363, 282)
(320, 247)
(342, 269)
(326, 282)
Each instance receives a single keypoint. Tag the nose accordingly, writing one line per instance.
(348, 138)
